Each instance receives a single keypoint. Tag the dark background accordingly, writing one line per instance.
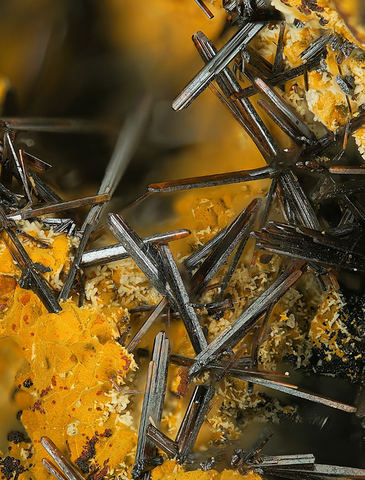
(94, 60)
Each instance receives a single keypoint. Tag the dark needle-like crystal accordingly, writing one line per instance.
(208, 73)
(31, 276)
(152, 403)
(193, 420)
(180, 294)
(238, 229)
(230, 337)
(125, 146)
(69, 471)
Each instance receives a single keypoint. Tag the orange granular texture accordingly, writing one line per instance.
(292, 50)
(171, 470)
(65, 389)
(330, 110)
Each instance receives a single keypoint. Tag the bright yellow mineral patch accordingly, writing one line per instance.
(330, 108)
(53, 253)
(171, 471)
(71, 358)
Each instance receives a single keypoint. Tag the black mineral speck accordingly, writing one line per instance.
(265, 259)
(143, 352)
(83, 465)
(11, 468)
(87, 453)
(17, 437)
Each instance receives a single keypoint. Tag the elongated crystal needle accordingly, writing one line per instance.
(138, 336)
(295, 391)
(244, 110)
(229, 178)
(59, 125)
(205, 9)
(67, 468)
(178, 289)
(31, 276)
(118, 252)
(153, 401)
(201, 81)
(59, 207)
(127, 143)
(231, 336)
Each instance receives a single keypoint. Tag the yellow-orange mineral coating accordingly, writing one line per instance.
(172, 471)
(65, 391)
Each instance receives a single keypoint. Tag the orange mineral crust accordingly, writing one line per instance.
(66, 391)
(172, 471)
